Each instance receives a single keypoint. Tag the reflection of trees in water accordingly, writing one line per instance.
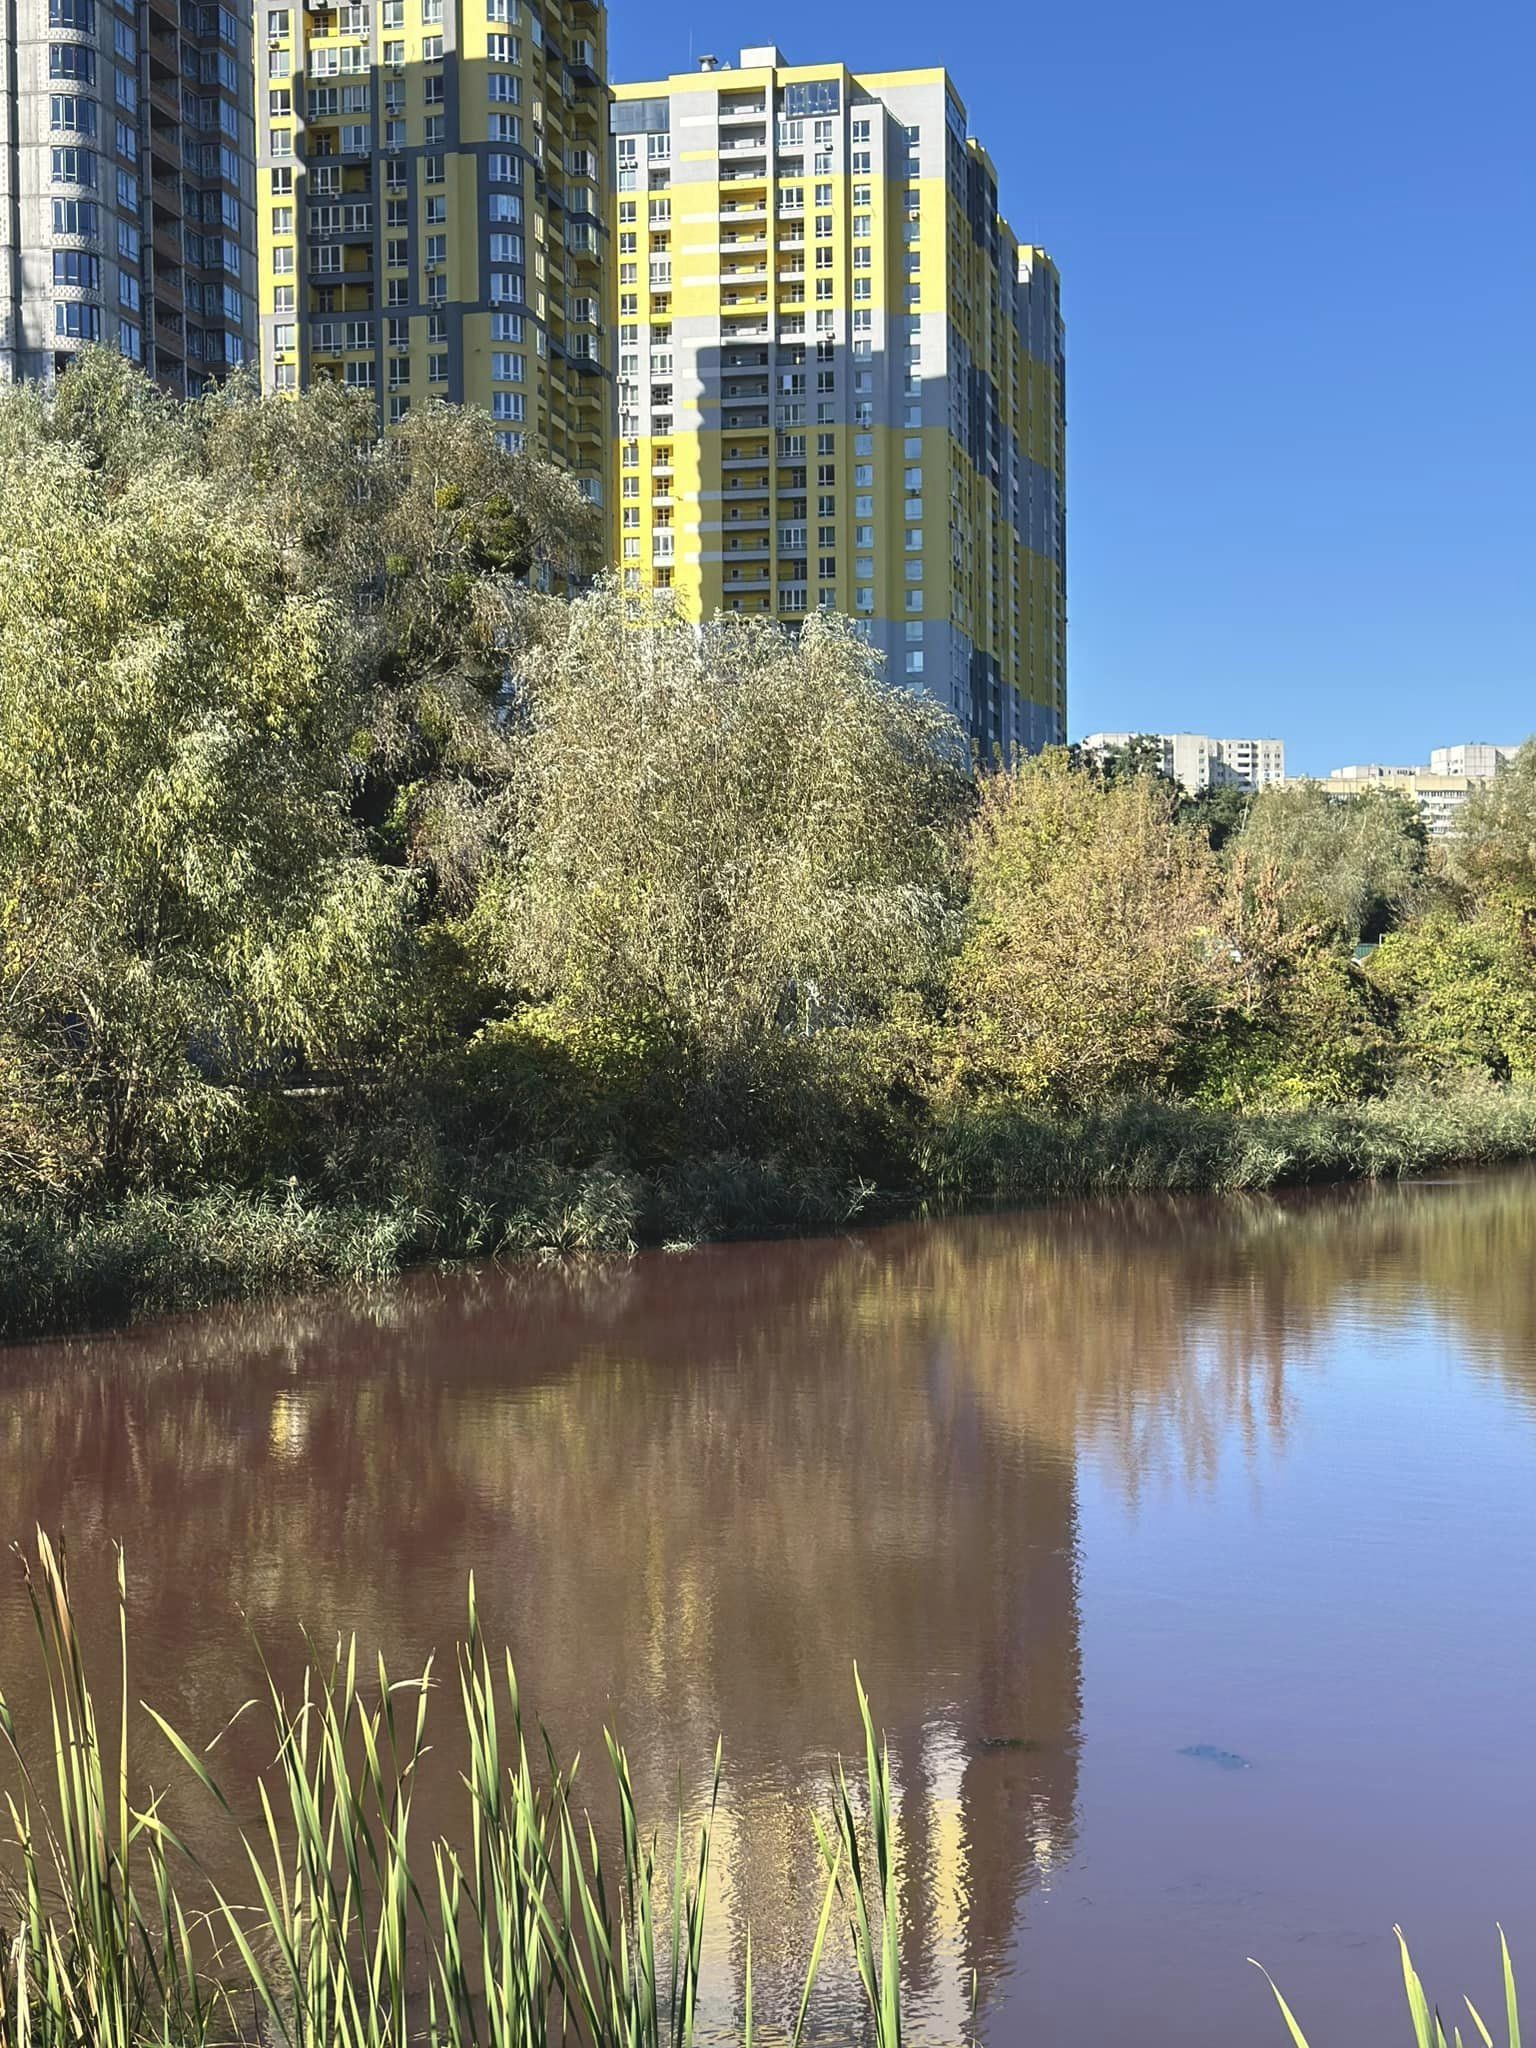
(693, 1489)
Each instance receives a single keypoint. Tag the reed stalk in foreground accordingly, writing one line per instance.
(354, 1934)
(1428, 2027)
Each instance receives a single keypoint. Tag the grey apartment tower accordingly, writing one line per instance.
(127, 172)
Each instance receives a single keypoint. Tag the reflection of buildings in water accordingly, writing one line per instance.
(694, 1490)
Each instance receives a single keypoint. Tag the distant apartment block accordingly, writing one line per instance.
(1440, 798)
(433, 212)
(841, 377)
(1440, 791)
(127, 187)
(1478, 760)
(1198, 761)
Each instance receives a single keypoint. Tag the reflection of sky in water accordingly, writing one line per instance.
(1081, 1490)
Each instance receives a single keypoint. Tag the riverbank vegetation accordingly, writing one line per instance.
(365, 898)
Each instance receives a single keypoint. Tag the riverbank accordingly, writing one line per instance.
(153, 1253)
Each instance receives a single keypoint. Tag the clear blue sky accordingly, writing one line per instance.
(1298, 250)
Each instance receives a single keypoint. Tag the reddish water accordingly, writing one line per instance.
(1082, 1491)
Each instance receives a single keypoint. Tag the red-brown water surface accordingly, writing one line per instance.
(1186, 1551)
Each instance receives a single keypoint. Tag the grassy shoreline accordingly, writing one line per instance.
(156, 1252)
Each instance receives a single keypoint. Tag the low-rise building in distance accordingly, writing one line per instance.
(1441, 790)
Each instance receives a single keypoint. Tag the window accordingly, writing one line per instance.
(75, 320)
(507, 368)
(72, 61)
(130, 341)
(78, 14)
(75, 268)
(506, 248)
(504, 86)
(128, 291)
(74, 167)
(431, 49)
(508, 405)
(75, 217)
(70, 111)
(437, 369)
(505, 127)
(432, 170)
(504, 206)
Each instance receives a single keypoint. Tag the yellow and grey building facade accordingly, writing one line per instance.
(432, 180)
(840, 377)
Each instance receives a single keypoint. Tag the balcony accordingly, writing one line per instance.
(747, 551)
(743, 110)
(745, 394)
(736, 583)
(745, 488)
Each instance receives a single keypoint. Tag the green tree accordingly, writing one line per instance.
(1494, 851)
(1465, 989)
(1095, 947)
(180, 888)
(1341, 869)
(730, 827)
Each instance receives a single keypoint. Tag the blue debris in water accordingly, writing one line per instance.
(1224, 1759)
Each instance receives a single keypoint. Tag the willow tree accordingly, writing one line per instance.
(1335, 868)
(732, 827)
(1095, 948)
(182, 893)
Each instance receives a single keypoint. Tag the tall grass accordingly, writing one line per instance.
(354, 1932)
(1428, 2027)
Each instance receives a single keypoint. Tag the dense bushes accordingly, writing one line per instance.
(363, 897)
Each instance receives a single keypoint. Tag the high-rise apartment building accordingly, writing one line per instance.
(127, 186)
(841, 376)
(433, 182)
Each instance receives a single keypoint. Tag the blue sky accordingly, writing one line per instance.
(1299, 271)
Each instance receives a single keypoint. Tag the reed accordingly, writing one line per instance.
(355, 1932)
(1429, 2029)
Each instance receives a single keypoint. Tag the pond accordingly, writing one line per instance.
(1185, 1549)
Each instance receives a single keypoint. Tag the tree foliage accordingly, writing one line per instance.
(727, 826)
(1094, 947)
(1340, 869)
(1494, 852)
